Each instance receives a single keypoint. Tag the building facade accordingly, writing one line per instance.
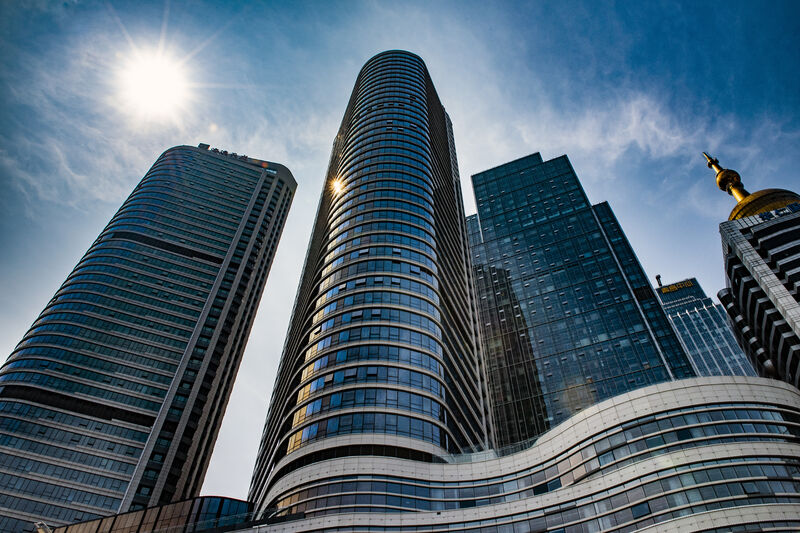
(761, 250)
(704, 329)
(382, 356)
(702, 454)
(568, 317)
(113, 399)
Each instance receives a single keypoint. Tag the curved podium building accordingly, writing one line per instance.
(382, 355)
(699, 454)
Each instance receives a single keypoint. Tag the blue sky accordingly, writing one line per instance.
(632, 92)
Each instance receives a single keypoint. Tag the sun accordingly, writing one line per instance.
(153, 86)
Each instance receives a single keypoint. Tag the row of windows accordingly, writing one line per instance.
(33, 363)
(131, 319)
(54, 513)
(374, 168)
(105, 325)
(415, 124)
(378, 251)
(378, 333)
(379, 265)
(411, 140)
(413, 205)
(66, 386)
(357, 398)
(97, 336)
(150, 227)
(164, 182)
(373, 352)
(102, 351)
(381, 314)
(32, 412)
(121, 295)
(113, 306)
(179, 205)
(66, 454)
(178, 223)
(372, 374)
(57, 493)
(147, 294)
(27, 466)
(381, 228)
(390, 282)
(379, 297)
(415, 182)
(53, 435)
(368, 423)
(129, 275)
(388, 238)
(408, 97)
(108, 257)
(375, 194)
(387, 162)
(93, 361)
(171, 261)
(366, 151)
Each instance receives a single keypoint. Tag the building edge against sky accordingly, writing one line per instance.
(114, 398)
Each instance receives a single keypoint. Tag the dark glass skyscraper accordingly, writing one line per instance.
(113, 399)
(568, 316)
(382, 354)
(704, 330)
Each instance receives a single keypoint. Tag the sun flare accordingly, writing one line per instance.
(154, 86)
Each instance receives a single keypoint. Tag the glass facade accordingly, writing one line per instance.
(383, 345)
(113, 398)
(567, 315)
(704, 329)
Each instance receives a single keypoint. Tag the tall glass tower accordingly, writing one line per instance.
(114, 397)
(382, 355)
(568, 316)
(704, 330)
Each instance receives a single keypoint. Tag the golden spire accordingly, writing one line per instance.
(748, 204)
(727, 180)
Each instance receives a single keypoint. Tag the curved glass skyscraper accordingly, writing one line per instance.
(113, 399)
(382, 356)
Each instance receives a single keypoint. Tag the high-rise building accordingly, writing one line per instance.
(568, 316)
(382, 355)
(761, 248)
(113, 399)
(704, 330)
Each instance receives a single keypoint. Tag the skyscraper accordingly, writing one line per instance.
(704, 329)
(568, 316)
(761, 247)
(114, 397)
(382, 355)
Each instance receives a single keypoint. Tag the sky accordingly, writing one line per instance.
(632, 92)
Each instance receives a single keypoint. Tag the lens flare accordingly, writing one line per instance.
(337, 186)
(153, 86)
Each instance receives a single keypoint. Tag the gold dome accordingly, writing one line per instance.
(749, 204)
